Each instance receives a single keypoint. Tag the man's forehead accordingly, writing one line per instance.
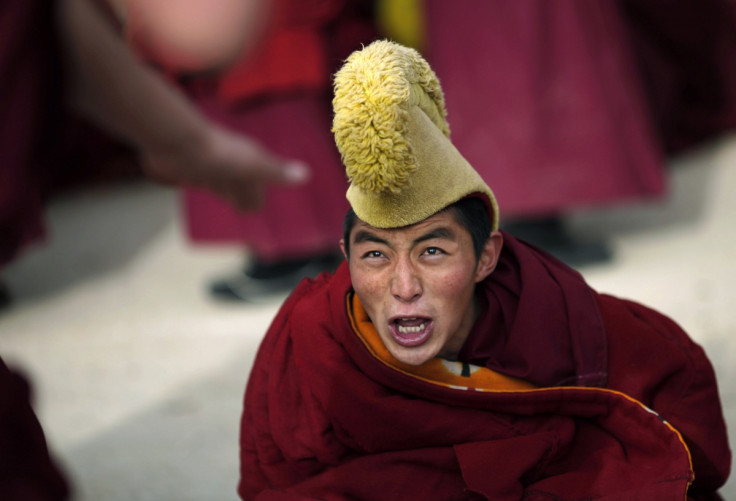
(444, 219)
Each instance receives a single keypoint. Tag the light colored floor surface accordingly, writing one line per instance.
(139, 374)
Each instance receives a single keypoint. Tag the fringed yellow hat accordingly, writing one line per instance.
(392, 134)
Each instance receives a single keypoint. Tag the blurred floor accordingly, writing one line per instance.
(139, 374)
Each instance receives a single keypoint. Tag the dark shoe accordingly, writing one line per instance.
(5, 297)
(261, 281)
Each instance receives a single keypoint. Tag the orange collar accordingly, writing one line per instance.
(453, 374)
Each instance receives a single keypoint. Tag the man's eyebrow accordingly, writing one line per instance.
(366, 236)
(444, 233)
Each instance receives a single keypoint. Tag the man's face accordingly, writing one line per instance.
(417, 284)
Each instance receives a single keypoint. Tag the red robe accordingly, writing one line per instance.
(28, 472)
(330, 415)
(545, 101)
(44, 148)
(562, 105)
(30, 100)
(281, 96)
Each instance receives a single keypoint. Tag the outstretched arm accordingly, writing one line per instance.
(178, 145)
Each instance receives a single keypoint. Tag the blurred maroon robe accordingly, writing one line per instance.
(562, 105)
(27, 470)
(30, 100)
(44, 147)
(545, 101)
(281, 97)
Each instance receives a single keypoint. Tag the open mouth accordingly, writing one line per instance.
(410, 331)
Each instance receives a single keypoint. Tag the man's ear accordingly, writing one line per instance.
(342, 248)
(489, 256)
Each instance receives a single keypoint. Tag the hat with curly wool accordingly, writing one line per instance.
(391, 131)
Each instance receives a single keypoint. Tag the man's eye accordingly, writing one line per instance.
(433, 251)
(373, 254)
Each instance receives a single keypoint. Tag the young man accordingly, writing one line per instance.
(447, 360)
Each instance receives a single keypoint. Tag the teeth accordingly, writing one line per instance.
(412, 329)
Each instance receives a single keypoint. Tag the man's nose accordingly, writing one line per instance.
(406, 285)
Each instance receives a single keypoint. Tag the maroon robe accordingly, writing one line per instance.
(327, 416)
(295, 221)
(545, 101)
(685, 52)
(30, 100)
(44, 148)
(27, 471)
(281, 96)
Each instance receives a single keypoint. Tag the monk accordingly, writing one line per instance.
(446, 359)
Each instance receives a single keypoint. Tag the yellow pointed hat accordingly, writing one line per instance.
(391, 131)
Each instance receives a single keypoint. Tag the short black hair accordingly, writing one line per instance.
(470, 212)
